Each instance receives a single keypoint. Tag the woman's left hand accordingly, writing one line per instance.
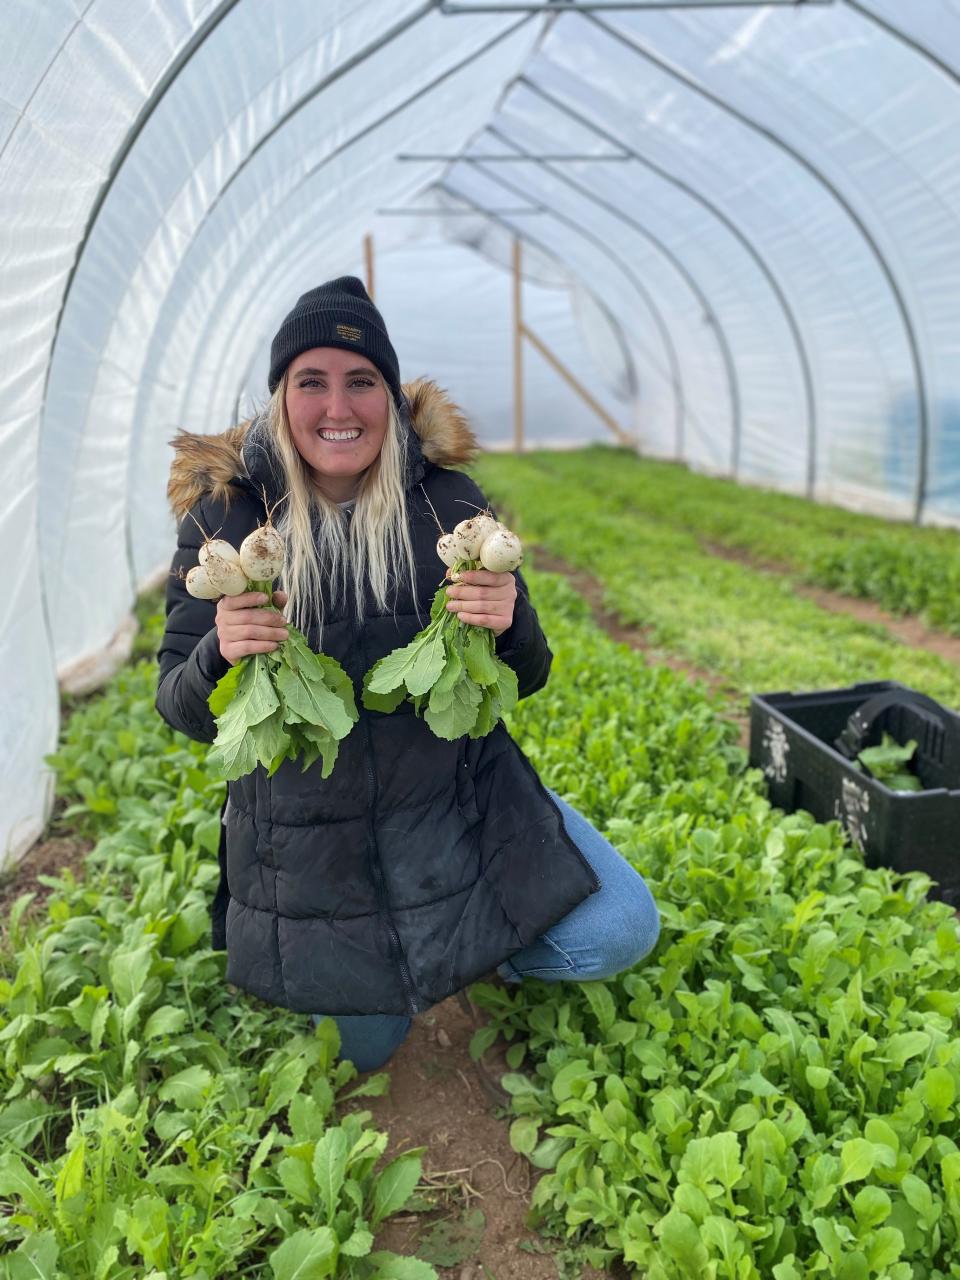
(483, 598)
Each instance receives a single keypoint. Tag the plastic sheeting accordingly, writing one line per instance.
(765, 262)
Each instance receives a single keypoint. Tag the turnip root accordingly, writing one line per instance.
(261, 554)
(199, 584)
(469, 535)
(219, 547)
(501, 552)
(446, 551)
(226, 575)
(287, 704)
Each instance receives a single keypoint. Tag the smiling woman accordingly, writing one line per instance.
(336, 404)
(419, 864)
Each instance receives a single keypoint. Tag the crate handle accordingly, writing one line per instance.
(850, 742)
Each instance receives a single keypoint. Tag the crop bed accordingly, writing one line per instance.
(906, 569)
(746, 626)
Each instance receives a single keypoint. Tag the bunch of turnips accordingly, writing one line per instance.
(270, 707)
(481, 542)
(293, 702)
(450, 671)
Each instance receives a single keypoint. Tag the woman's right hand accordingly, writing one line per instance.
(246, 626)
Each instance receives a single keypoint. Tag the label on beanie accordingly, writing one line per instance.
(349, 332)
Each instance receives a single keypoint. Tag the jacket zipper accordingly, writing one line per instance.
(413, 1006)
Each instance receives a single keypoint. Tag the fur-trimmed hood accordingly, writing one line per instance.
(209, 464)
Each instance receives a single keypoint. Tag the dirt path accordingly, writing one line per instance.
(908, 630)
(436, 1101)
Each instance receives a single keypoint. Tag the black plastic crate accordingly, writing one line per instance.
(792, 738)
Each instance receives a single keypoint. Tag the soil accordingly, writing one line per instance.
(908, 630)
(436, 1101)
(46, 858)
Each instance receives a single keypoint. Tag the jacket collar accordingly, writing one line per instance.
(243, 457)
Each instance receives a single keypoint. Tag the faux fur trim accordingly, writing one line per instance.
(208, 464)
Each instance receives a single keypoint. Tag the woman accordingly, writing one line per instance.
(419, 865)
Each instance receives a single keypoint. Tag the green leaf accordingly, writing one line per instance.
(225, 689)
(306, 693)
(148, 1232)
(858, 1159)
(297, 1179)
(385, 702)
(818, 1077)
(853, 1266)
(285, 1084)
(395, 1184)
(899, 1049)
(22, 1120)
(358, 1244)
(429, 663)
(680, 1239)
(479, 655)
(330, 1167)
(35, 1259)
(871, 1206)
(391, 1266)
(391, 672)
(16, 1180)
(884, 1248)
(570, 1074)
(309, 1254)
(307, 1118)
(69, 1181)
(129, 969)
(459, 716)
(442, 692)
(524, 1134)
(920, 1198)
(602, 1003)
(939, 1091)
(187, 1088)
(234, 750)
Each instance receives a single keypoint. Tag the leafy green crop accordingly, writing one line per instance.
(152, 1123)
(887, 763)
(451, 674)
(747, 626)
(905, 569)
(774, 1092)
(277, 706)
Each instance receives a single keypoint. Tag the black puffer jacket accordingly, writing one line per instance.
(419, 864)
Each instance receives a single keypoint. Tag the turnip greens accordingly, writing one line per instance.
(450, 671)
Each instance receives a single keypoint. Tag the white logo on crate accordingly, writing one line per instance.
(777, 748)
(851, 809)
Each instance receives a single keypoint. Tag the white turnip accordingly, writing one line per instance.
(501, 552)
(226, 575)
(219, 547)
(199, 584)
(446, 551)
(261, 554)
(469, 535)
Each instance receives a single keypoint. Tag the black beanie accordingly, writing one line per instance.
(336, 314)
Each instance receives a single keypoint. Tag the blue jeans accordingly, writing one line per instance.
(608, 932)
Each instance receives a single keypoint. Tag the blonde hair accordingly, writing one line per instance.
(321, 543)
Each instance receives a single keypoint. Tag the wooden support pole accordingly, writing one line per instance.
(623, 436)
(368, 259)
(517, 348)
